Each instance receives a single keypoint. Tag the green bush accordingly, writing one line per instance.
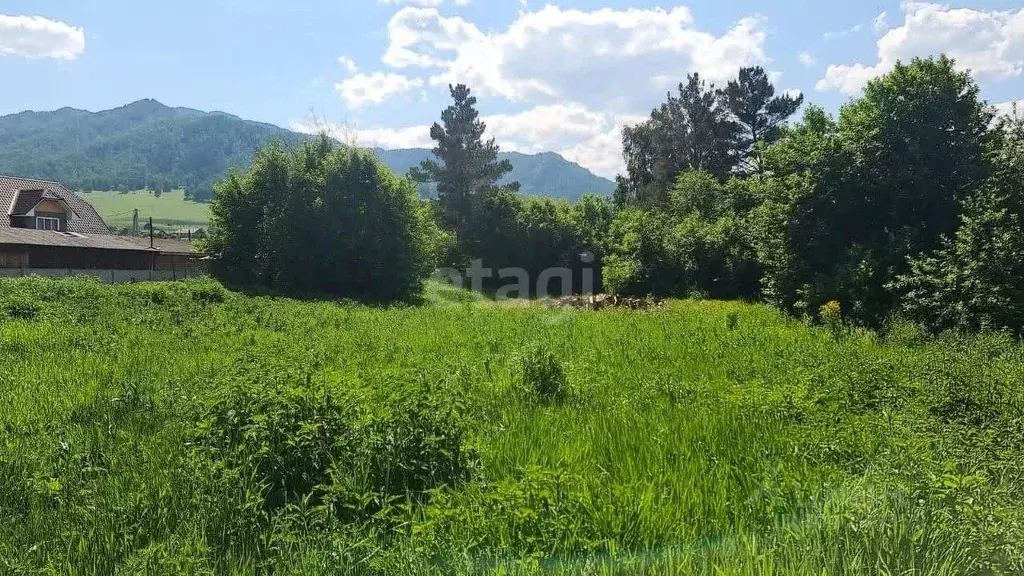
(303, 444)
(638, 262)
(322, 219)
(21, 307)
(542, 374)
(290, 437)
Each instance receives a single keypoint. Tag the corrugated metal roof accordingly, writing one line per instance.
(86, 220)
(29, 237)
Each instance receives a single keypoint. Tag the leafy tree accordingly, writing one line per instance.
(691, 131)
(637, 260)
(752, 101)
(468, 165)
(697, 244)
(885, 183)
(976, 279)
(918, 140)
(321, 218)
(800, 147)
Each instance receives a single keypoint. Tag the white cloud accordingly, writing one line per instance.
(532, 130)
(842, 33)
(880, 22)
(582, 74)
(602, 154)
(388, 138)
(364, 89)
(990, 43)
(603, 58)
(418, 35)
(806, 59)
(849, 80)
(591, 139)
(1006, 108)
(349, 64)
(38, 37)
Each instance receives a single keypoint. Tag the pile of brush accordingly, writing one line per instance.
(605, 301)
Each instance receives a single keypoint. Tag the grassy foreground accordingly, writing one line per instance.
(183, 429)
(171, 211)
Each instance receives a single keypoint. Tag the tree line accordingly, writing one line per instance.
(908, 203)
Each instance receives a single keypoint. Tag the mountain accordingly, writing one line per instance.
(544, 174)
(149, 145)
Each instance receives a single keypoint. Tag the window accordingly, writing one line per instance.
(43, 223)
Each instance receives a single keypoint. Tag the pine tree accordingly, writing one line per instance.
(752, 101)
(468, 165)
(692, 131)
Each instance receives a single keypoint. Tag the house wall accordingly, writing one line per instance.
(13, 258)
(107, 276)
(112, 266)
(49, 206)
(78, 258)
(58, 215)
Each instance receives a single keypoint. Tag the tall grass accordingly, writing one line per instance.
(182, 428)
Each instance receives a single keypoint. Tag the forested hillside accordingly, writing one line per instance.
(149, 145)
(544, 174)
(141, 145)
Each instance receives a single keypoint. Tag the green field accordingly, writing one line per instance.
(184, 429)
(169, 212)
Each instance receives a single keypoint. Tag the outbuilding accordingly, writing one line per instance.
(50, 231)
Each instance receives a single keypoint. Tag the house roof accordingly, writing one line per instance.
(15, 193)
(26, 200)
(166, 245)
(30, 237)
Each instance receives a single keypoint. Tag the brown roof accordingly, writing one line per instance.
(86, 220)
(29, 237)
(167, 245)
(25, 201)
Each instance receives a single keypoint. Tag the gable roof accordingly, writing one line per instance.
(87, 221)
(26, 200)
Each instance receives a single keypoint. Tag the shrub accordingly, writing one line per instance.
(638, 262)
(322, 218)
(207, 292)
(732, 320)
(831, 315)
(354, 456)
(289, 436)
(21, 307)
(417, 444)
(542, 374)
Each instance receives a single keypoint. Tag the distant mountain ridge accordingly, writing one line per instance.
(149, 145)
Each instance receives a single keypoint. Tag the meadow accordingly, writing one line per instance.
(171, 211)
(187, 429)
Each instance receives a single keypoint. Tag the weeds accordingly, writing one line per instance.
(542, 374)
(183, 428)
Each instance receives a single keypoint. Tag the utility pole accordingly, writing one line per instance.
(151, 232)
(135, 222)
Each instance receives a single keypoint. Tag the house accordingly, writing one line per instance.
(47, 230)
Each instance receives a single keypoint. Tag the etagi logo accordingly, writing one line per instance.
(516, 282)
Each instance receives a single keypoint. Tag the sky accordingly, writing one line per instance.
(562, 76)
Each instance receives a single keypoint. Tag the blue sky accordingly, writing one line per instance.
(562, 76)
